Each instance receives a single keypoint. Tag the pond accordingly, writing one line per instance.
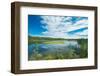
(63, 49)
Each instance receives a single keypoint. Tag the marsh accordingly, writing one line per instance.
(57, 49)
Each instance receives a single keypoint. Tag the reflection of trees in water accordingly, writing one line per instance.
(83, 48)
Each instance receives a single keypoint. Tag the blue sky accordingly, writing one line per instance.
(34, 25)
(58, 26)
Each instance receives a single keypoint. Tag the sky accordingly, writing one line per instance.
(58, 26)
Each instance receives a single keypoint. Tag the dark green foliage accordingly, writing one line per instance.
(83, 48)
(55, 55)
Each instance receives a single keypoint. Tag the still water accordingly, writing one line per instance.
(45, 48)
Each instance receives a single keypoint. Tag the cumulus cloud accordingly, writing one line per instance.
(59, 26)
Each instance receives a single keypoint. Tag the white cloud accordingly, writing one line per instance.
(58, 26)
(85, 32)
(82, 22)
(72, 28)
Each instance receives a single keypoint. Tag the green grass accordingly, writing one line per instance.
(47, 42)
(53, 42)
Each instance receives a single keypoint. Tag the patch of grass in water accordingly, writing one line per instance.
(53, 42)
